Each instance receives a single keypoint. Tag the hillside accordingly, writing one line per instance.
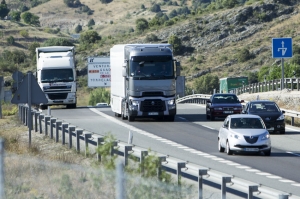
(211, 41)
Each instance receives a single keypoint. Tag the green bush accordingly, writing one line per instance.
(176, 43)
(10, 40)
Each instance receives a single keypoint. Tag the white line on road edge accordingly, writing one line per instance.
(293, 153)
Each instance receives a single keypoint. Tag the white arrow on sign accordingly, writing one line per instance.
(283, 49)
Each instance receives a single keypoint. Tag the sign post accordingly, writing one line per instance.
(282, 48)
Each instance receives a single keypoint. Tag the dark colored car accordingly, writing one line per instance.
(222, 105)
(270, 113)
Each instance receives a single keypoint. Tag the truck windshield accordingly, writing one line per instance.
(57, 75)
(148, 69)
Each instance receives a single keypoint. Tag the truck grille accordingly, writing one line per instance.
(153, 106)
(56, 96)
(147, 94)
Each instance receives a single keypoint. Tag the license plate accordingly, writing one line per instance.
(228, 111)
(153, 113)
(251, 149)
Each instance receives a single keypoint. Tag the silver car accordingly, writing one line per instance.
(244, 133)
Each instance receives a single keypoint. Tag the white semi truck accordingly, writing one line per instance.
(143, 81)
(56, 75)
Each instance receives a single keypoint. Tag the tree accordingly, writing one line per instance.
(91, 22)
(176, 43)
(30, 18)
(10, 40)
(3, 9)
(141, 24)
(15, 15)
(206, 84)
(78, 28)
(32, 48)
(89, 37)
(155, 8)
(244, 55)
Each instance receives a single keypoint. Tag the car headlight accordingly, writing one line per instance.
(218, 109)
(171, 102)
(235, 136)
(134, 102)
(265, 136)
(281, 117)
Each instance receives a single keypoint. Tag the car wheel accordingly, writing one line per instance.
(282, 132)
(221, 149)
(268, 152)
(228, 151)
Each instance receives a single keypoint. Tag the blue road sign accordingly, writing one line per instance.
(282, 48)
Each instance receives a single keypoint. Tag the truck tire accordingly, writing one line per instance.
(71, 106)
(123, 116)
(130, 118)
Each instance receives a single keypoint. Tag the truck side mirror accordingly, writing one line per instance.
(177, 68)
(124, 69)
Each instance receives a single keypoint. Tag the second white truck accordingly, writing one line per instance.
(56, 75)
(143, 81)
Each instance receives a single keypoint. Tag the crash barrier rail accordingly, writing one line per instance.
(201, 99)
(45, 124)
(271, 85)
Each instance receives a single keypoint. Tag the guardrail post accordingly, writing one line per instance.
(87, 136)
(78, 132)
(126, 150)
(47, 118)
(112, 149)
(58, 124)
(71, 129)
(40, 123)
(25, 116)
(142, 158)
(223, 186)
(36, 116)
(251, 189)
(292, 121)
(159, 168)
(180, 165)
(99, 141)
(202, 172)
(63, 130)
(52, 121)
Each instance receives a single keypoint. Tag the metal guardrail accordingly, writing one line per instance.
(201, 99)
(78, 138)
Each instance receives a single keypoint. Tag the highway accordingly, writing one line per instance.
(192, 138)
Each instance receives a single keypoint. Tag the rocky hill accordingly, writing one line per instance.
(211, 41)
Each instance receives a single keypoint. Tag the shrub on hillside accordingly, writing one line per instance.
(155, 8)
(244, 55)
(10, 40)
(151, 38)
(78, 28)
(91, 23)
(58, 42)
(176, 43)
(141, 24)
(30, 18)
(24, 33)
(15, 15)
(89, 37)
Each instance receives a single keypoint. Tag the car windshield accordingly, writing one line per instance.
(219, 99)
(264, 107)
(246, 123)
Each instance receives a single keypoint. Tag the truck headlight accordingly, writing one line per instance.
(171, 102)
(134, 102)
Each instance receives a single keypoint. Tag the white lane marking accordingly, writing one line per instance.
(207, 127)
(293, 153)
(252, 170)
(274, 177)
(268, 175)
(263, 174)
(182, 118)
(287, 181)
(243, 167)
(291, 129)
(297, 185)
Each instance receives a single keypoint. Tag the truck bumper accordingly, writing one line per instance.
(61, 99)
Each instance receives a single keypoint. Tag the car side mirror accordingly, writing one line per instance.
(283, 111)
(242, 101)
